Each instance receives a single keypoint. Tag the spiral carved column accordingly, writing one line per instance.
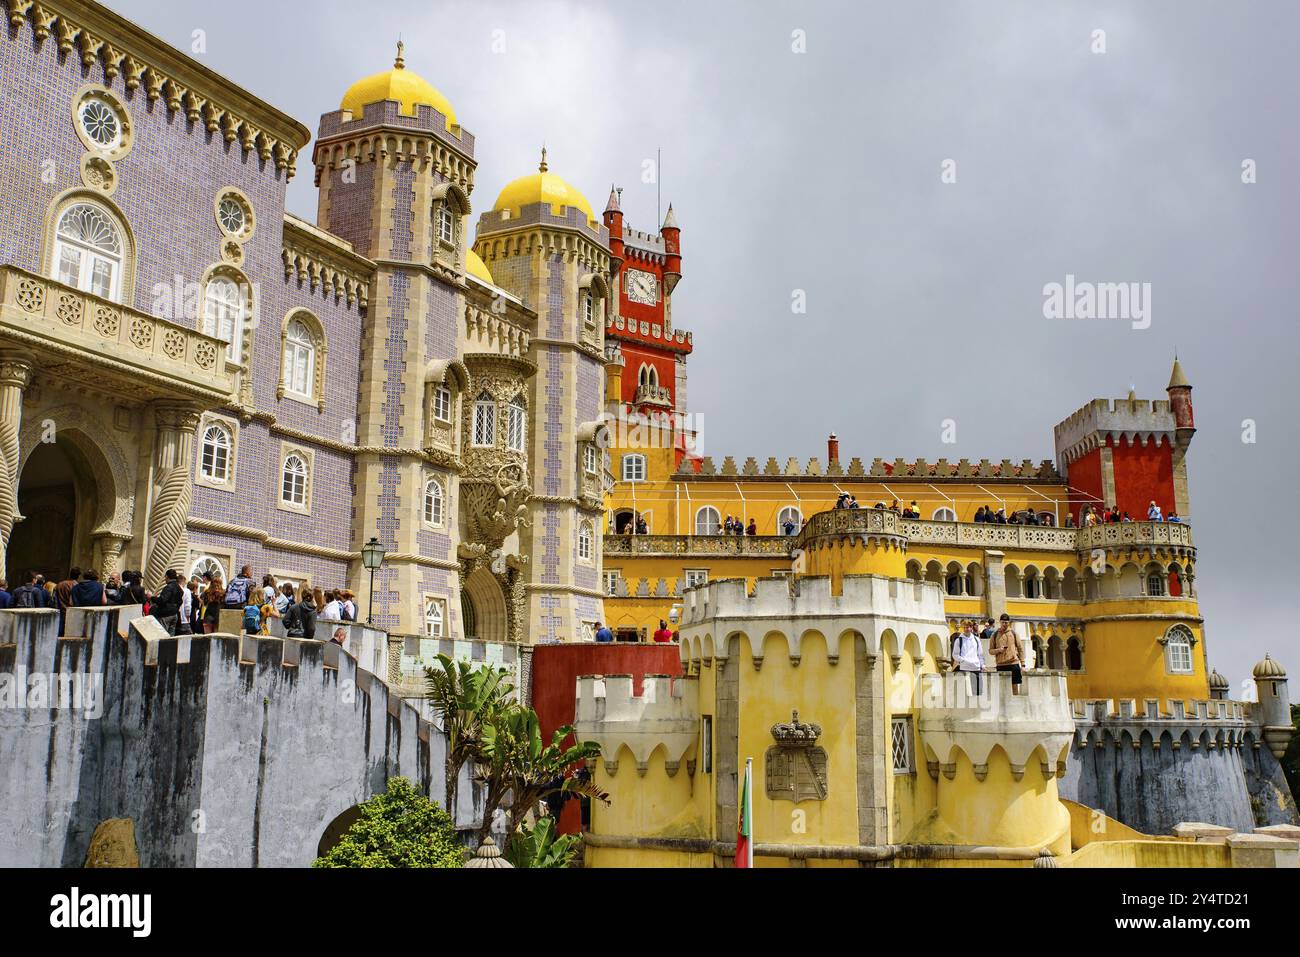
(173, 486)
(15, 376)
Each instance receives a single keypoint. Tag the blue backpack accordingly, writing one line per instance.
(252, 619)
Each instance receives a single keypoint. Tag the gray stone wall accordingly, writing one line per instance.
(225, 752)
(1152, 790)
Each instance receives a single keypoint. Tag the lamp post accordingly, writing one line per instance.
(372, 556)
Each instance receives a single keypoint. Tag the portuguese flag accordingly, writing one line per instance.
(745, 826)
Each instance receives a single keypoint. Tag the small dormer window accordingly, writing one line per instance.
(446, 224)
(588, 308)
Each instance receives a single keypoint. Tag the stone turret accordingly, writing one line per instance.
(1274, 705)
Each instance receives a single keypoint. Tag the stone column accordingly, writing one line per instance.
(995, 584)
(15, 376)
(110, 554)
(173, 484)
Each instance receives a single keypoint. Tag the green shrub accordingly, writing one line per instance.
(399, 828)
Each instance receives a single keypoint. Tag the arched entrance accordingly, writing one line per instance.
(58, 498)
(483, 607)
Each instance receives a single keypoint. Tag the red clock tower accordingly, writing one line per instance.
(647, 267)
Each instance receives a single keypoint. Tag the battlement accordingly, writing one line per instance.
(1213, 723)
(870, 607)
(665, 715)
(952, 718)
(1128, 421)
(984, 470)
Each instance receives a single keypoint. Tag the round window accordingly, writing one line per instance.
(100, 123)
(230, 213)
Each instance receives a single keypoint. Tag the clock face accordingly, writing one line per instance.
(642, 287)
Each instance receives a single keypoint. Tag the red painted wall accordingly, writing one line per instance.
(555, 673)
(1141, 475)
(664, 364)
(1085, 476)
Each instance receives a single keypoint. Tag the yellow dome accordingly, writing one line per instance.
(542, 187)
(400, 84)
(477, 268)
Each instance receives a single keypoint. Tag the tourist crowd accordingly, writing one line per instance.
(194, 606)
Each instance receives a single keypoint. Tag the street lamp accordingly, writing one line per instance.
(372, 556)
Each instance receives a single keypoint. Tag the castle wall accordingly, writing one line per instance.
(224, 751)
(1218, 773)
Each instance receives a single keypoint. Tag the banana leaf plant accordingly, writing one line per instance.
(466, 698)
(520, 765)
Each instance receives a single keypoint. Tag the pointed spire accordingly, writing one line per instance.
(541, 167)
(1177, 380)
(400, 62)
(613, 205)
(670, 221)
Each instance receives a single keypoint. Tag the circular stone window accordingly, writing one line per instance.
(234, 214)
(102, 123)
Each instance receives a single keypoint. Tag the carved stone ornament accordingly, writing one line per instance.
(796, 766)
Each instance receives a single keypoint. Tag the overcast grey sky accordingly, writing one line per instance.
(820, 171)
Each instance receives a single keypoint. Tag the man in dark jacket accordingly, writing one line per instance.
(166, 605)
(28, 594)
(88, 592)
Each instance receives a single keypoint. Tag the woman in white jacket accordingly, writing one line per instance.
(968, 655)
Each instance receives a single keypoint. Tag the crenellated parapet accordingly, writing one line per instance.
(1173, 723)
(1130, 421)
(866, 606)
(952, 718)
(665, 715)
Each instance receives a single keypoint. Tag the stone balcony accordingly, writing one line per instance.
(80, 335)
(874, 521)
(659, 395)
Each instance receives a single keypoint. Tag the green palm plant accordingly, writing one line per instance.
(519, 764)
(540, 846)
(466, 699)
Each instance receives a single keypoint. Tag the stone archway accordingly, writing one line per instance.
(69, 501)
(487, 606)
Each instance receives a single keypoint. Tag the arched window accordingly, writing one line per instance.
(88, 251)
(299, 360)
(214, 454)
(707, 521)
(516, 416)
(485, 421)
(224, 308)
(588, 308)
(293, 487)
(1074, 655)
(944, 514)
(433, 618)
(586, 542)
(788, 521)
(433, 502)
(648, 376)
(634, 468)
(1178, 650)
(206, 564)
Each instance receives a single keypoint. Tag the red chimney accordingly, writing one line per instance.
(832, 449)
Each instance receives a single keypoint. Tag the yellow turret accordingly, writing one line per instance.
(409, 89)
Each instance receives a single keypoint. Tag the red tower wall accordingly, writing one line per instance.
(1085, 477)
(1143, 474)
(555, 673)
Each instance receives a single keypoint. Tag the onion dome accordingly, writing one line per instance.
(406, 87)
(543, 187)
(488, 855)
(477, 268)
(1268, 668)
(1217, 681)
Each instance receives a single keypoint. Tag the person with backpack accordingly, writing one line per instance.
(166, 605)
(239, 587)
(300, 619)
(968, 656)
(1008, 653)
(28, 594)
(252, 615)
(349, 605)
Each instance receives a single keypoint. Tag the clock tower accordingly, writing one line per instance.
(646, 354)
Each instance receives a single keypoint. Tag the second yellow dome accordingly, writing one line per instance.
(542, 187)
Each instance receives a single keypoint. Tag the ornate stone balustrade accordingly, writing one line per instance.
(1215, 723)
(491, 333)
(50, 316)
(653, 395)
(703, 545)
(874, 521)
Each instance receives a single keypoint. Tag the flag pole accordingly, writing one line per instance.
(749, 810)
